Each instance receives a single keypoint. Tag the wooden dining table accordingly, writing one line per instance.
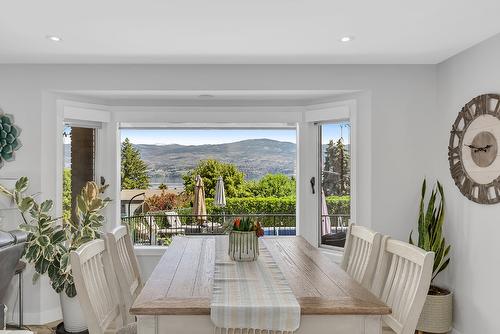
(176, 298)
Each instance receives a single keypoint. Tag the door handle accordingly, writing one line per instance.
(313, 182)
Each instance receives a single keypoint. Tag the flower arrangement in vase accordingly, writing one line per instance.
(243, 239)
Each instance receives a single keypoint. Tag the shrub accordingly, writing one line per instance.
(271, 185)
(163, 202)
(265, 205)
(254, 205)
(210, 170)
(338, 204)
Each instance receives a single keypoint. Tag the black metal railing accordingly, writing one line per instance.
(158, 228)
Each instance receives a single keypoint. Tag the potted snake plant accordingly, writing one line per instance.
(51, 240)
(436, 316)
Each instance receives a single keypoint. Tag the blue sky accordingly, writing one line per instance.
(204, 136)
(335, 131)
(220, 136)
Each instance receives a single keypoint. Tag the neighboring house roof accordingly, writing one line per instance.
(128, 194)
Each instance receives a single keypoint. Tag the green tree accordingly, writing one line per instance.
(274, 185)
(133, 169)
(163, 186)
(67, 194)
(336, 170)
(210, 170)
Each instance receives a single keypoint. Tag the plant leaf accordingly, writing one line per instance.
(46, 206)
(22, 184)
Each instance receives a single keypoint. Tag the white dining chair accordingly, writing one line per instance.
(121, 250)
(97, 290)
(402, 281)
(361, 253)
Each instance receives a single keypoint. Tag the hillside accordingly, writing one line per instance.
(255, 157)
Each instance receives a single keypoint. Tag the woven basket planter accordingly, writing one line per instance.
(436, 316)
(243, 246)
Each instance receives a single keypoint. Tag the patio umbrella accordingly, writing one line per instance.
(220, 193)
(220, 197)
(199, 207)
(326, 225)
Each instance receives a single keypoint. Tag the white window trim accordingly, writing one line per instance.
(330, 113)
(84, 115)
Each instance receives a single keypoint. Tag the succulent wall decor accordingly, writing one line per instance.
(9, 138)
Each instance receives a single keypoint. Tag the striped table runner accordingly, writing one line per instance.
(251, 297)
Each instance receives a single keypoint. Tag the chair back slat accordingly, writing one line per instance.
(96, 286)
(402, 281)
(361, 254)
(125, 263)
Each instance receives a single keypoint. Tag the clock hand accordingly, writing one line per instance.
(472, 147)
(483, 149)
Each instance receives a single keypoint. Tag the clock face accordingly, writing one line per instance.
(473, 149)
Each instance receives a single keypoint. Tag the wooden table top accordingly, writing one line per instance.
(181, 284)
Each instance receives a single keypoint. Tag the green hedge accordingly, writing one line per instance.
(260, 205)
(338, 204)
(335, 204)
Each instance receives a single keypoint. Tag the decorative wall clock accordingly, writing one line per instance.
(9, 141)
(474, 149)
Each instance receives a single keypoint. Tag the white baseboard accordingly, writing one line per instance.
(454, 331)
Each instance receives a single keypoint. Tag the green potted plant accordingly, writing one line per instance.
(243, 239)
(51, 240)
(436, 316)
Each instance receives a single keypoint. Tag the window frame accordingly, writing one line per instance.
(79, 114)
(97, 127)
(320, 177)
(342, 111)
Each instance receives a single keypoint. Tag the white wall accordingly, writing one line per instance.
(393, 117)
(472, 229)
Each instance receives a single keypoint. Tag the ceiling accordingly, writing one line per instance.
(243, 32)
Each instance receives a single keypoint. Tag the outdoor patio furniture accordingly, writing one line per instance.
(214, 228)
(334, 239)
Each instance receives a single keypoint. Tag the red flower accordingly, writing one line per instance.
(236, 223)
(259, 230)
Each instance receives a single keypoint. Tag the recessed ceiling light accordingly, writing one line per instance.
(54, 38)
(346, 39)
(206, 96)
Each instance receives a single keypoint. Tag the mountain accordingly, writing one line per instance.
(255, 157)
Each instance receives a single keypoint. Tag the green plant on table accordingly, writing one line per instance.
(430, 228)
(51, 240)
